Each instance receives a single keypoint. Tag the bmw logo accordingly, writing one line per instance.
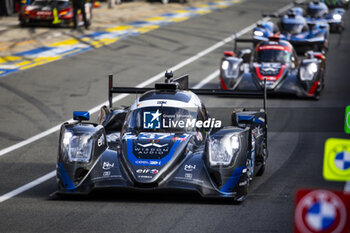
(320, 211)
(342, 160)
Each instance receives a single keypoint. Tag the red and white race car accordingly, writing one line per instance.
(42, 12)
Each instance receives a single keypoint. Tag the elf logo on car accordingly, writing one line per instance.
(144, 171)
(101, 141)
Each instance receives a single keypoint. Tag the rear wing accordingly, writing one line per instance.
(241, 40)
(181, 83)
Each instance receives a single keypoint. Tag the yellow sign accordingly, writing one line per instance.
(336, 163)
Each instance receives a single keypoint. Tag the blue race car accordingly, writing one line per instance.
(318, 12)
(162, 142)
(293, 27)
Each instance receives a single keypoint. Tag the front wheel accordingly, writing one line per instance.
(243, 190)
(262, 168)
(245, 180)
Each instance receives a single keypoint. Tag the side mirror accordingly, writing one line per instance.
(309, 54)
(229, 53)
(81, 116)
(245, 54)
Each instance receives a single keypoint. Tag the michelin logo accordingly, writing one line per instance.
(151, 120)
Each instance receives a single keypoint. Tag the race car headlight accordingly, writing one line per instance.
(258, 33)
(337, 17)
(77, 147)
(231, 69)
(223, 150)
(225, 65)
(307, 73)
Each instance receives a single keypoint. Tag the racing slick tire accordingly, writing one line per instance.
(242, 193)
(246, 179)
(322, 82)
(317, 96)
(262, 168)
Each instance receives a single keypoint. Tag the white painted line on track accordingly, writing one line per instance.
(27, 186)
(207, 79)
(117, 98)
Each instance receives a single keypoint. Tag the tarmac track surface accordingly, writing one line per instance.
(34, 100)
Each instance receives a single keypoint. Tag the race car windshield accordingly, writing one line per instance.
(292, 28)
(315, 12)
(161, 119)
(51, 3)
(272, 55)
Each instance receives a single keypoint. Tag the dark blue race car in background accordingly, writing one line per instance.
(318, 12)
(302, 34)
(337, 3)
(275, 60)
